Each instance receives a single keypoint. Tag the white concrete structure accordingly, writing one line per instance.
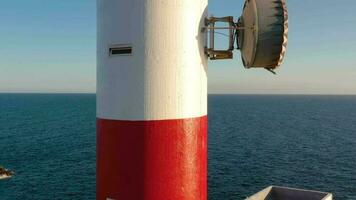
(165, 76)
(285, 193)
(151, 100)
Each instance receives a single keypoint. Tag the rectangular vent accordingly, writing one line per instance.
(120, 50)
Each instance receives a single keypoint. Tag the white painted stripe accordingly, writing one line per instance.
(166, 75)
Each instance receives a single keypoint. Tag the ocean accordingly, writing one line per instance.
(254, 141)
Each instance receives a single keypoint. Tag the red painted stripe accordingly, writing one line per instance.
(152, 160)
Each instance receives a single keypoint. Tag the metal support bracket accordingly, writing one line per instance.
(210, 28)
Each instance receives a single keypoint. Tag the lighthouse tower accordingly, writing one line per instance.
(151, 100)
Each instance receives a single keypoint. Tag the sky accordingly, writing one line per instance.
(50, 46)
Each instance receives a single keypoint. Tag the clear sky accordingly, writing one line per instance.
(49, 46)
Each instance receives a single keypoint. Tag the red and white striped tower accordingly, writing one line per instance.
(151, 100)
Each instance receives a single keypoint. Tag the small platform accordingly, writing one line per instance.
(284, 193)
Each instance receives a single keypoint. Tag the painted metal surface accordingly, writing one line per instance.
(264, 45)
(151, 100)
(152, 160)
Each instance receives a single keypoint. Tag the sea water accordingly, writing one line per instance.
(254, 141)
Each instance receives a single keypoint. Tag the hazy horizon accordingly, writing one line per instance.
(50, 47)
(242, 94)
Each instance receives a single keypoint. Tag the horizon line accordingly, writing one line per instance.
(255, 94)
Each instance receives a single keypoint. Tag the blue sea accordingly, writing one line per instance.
(254, 141)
